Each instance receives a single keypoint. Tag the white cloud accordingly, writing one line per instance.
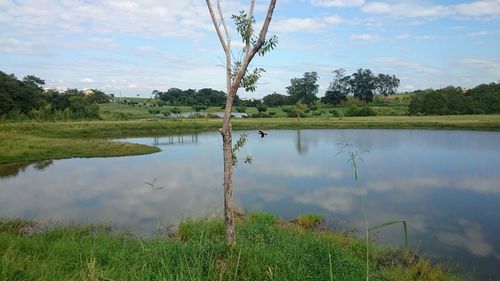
(486, 8)
(145, 49)
(338, 3)
(403, 36)
(418, 67)
(479, 33)
(484, 65)
(364, 37)
(99, 43)
(151, 18)
(377, 8)
(33, 47)
(87, 80)
(406, 9)
(309, 25)
(424, 37)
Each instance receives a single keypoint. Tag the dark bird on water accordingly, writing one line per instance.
(262, 134)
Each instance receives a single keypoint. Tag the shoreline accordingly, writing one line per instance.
(267, 248)
(24, 142)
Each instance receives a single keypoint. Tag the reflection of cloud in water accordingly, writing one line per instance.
(267, 192)
(469, 237)
(429, 178)
(334, 199)
(123, 199)
(297, 171)
(480, 185)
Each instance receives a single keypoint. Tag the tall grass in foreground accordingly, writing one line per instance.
(268, 249)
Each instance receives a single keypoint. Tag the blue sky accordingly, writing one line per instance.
(134, 47)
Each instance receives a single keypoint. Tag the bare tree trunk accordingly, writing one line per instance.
(227, 147)
(232, 85)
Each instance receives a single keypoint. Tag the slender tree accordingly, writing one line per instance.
(237, 77)
(362, 84)
(339, 88)
(386, 84)
(304, 90)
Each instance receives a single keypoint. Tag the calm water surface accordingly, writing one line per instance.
(446, 184)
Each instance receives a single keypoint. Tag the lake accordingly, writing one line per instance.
(445, 184)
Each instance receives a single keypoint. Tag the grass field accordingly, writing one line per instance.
(391, 106)
(267, 249)
(35, 141)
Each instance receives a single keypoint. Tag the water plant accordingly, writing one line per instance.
(353, 157)
(402, 222)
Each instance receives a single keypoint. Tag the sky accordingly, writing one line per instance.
(131, 48)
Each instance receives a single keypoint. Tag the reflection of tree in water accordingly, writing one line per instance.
(301, 148)
(173, 140)
(9, 170)
(12, 170)
(41, 165)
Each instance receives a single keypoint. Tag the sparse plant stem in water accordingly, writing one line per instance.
(405, 230)
(352, 155)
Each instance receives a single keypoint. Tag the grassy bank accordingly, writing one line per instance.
(267, 250)
(17, 146)
(34, 141)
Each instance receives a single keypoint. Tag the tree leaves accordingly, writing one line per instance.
(269, 45)
(249, 80)
(244, 26)
(237, 146)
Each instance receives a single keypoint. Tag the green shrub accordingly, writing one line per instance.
(335, 113)
(309, 221)
(200, 230)
(294, 114)
(262, 218)
(261, 115)
(364, 111)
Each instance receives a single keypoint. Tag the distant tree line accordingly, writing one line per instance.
(483, 99)
(26, 98)
(191, 97)
(362, 84)
(200, 99)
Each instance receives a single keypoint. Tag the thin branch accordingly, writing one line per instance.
(250, 16)
(252, 5)
(256, 47)
(226, 30)
(214, 21)
(265, 28)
